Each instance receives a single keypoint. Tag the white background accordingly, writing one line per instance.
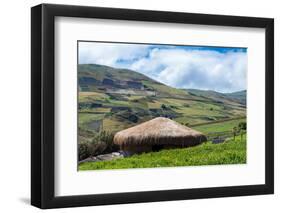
(15, 106)
(69, 30)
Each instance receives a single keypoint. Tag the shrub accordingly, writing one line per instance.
(173, 107)
(135, 100)
(96, 148)
(163, 106)
(102, 143)
(83, 151)
(242, 126)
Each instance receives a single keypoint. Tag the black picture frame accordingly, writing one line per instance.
(43, 102)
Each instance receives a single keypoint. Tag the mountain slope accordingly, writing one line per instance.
(238, 97)
(100, 72)
(93, 77)
(114, 99)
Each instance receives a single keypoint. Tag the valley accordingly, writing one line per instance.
(112, 99)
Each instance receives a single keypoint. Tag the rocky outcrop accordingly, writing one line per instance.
(105, 157)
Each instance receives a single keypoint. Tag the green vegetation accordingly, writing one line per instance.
(231, 152)
(87, 117)
(163, 89)
(239, 97)
(242, 125)
(113, 99)
(101, 143)
(219, 127)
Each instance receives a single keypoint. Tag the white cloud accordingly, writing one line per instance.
(108, 53)
(199, 69)
(176, 67)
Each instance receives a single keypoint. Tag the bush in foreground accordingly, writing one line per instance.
(101, 143)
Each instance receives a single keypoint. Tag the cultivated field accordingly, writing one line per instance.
(112, 99)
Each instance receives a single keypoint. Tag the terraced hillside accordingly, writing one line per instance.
(239, 96)
(113, 99)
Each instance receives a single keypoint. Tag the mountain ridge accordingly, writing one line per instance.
(237, 96)
(113, 99)
(93, 77)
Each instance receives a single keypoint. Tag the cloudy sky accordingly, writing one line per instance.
(208, 68)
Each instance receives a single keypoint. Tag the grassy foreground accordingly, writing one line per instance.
(231, 152)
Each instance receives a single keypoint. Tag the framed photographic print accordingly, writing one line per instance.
(139, 106)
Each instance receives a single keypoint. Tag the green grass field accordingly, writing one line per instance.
(87, 117)
(219, 127)
(231, 152)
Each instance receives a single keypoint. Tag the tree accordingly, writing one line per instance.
(242, 125)
(234, 132)
(163, 106)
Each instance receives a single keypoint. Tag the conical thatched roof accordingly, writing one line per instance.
(158, 131)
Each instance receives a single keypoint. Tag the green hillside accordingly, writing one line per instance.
(240, 95)
(113, 99)
(93, 77)
(220, 126)
(235, 97)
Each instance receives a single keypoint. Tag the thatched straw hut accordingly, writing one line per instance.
(156, 134)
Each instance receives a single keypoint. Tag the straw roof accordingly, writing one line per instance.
(159, 131)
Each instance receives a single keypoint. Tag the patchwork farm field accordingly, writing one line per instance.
(114, 99)
(219, 126)
(117, 112)
(111, 100)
